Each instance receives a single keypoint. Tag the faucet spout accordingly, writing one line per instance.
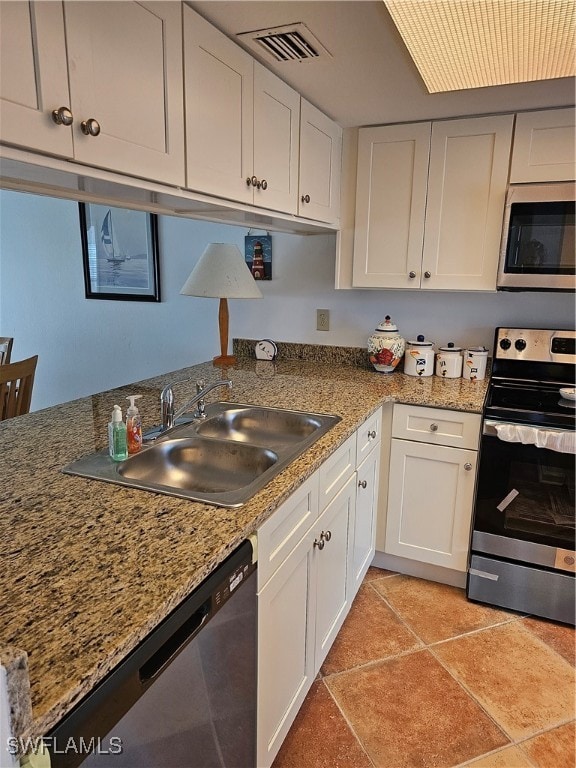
(169, 415)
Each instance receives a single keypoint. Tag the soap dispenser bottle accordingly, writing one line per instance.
(133, 426)
(117, 445)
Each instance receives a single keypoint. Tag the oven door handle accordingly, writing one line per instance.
(551, 438)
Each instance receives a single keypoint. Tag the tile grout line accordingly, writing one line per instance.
(348, 723)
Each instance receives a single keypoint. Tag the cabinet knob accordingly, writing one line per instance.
(433, 427)
(62, 116)
(372, 434)
(427, 274)
(90, 127)
(305, 198)
(264, 184)
(412, 275)
(467, 466)
(362, 483)
(253, 180)
(326, 535)
(319, 542)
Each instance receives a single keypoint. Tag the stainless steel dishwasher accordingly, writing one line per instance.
(186, 696)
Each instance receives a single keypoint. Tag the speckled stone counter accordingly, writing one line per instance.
(89, 568)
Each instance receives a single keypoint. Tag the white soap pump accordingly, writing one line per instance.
(133, 425)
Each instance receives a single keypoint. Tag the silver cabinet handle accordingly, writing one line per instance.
(305, 198)
(254, 181)
(90, 127)
(433, 427)
(362, 484)
(264, 184)
(62, 116)
(467, 466)
(412, 275)
(319, 542)
(427, 274)
(372, 434)
(327, 536)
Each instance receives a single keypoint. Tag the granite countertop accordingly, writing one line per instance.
(89, 568)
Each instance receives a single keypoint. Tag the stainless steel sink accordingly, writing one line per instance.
(222, 459)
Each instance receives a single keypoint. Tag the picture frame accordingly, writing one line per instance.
(120, 253)
(261, 247)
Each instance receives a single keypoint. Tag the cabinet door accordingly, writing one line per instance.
(285, 648)
(33, 76)
(219, 96)
(430, 500)
(320, 164)
(544, 147)
(125, 67)
(365, 515)
(332, 568)
(469, 162)
(390, 205)
(276, 141)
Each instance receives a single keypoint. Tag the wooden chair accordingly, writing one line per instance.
(5, 349)
(16, 381)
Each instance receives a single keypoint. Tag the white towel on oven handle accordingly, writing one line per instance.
(554, 440)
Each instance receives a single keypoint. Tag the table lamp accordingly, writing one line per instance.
(222, 273)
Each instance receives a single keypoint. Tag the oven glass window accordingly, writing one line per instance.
(525, 492)
(541, 239)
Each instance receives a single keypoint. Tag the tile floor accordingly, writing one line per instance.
(420, 678)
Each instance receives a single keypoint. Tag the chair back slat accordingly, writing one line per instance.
(5, 349)
(16, 382)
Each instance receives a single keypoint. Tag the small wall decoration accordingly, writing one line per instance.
(120, 253)
(258, 254)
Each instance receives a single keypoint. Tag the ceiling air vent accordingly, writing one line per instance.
(293, 42)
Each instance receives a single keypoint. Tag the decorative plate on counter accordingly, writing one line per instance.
(568, 392)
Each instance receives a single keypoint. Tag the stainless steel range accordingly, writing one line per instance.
(523, 548)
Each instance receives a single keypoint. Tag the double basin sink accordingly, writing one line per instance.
(222, 459)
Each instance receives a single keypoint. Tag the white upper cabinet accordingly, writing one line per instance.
(390, 205)
(320, 165)
(34, 77)
(430, 202)
(544, 146)
(467, 183)
(242, 122)
(276, 142)
(122, 62)
(219, 97)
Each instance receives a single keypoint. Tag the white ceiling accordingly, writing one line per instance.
(370, 79)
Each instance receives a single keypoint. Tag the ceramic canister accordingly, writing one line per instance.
(419, 359)
(475, 359)
(449, 361)
(386, 347)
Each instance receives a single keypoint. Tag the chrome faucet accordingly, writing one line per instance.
(169, 415)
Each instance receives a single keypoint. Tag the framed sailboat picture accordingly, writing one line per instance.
(120, 253)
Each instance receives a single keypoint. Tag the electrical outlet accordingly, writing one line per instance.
(322, 319)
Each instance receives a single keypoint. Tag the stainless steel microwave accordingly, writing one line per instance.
(538, 250)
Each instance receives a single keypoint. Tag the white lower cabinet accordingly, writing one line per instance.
(431, 485)
(312, 555)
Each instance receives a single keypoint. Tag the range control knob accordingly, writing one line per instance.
(505, 343)
(520, 344)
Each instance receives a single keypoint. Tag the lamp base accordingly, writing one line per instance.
(223, 361)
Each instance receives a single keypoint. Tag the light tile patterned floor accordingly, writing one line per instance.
(421, 678)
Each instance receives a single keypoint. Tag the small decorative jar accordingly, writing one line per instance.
(419, 360)
(449, 361)
(386, 347)
(475, 363)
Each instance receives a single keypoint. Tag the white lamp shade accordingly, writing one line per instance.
(221, 273)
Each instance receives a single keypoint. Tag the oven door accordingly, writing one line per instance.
(525, 501)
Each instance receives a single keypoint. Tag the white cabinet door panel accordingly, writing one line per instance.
(125, 69)
(33, 76)
(365, 516)
(467, 182)
(219, 96)
(544, 146)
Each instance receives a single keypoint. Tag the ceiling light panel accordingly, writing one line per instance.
(458, 44)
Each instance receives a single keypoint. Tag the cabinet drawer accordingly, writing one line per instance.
(285, 528)
(336, 470)
(435, 425)
(368, 436)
